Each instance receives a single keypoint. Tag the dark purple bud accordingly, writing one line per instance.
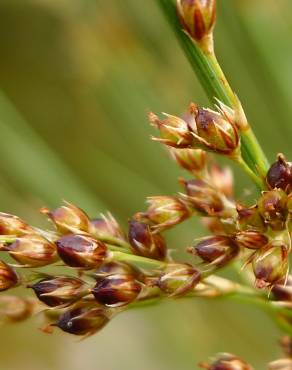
(84, 318)
(146, 243)
(117, 290)
(8, 277)
(59, 290)
(105, 227)
(280, 175)
(282, 291)
(81, 251)
(217, 250)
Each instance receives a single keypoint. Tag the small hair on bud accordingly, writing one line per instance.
(81, 251)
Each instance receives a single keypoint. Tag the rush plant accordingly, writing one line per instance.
(108, 270)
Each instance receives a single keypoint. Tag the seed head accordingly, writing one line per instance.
(84, 318)
(213, 132)
(281, 364)
(8, 277)
(178, 279)
(280, 175)
(32, 251)
(192, 160)
(81, 251)
(270, 265)
(217, 250)
(105, 227)
(174, 131)
(117, 290)
(197, 17)
(272, 206)
(251, 239)
(68, 219)
(146, 243)
(166, 211)
(202, 197)
(13, 225)
(227, 361)
(15, 309)
(59, 290)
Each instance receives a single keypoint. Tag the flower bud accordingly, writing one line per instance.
(13, 225)
(83, 318)
(115, 268)
(32, 251)
(280, 174)
(202, 198)
(282, 291)
(272, 207)
(59, 290)
(174, 131)
(68, 219)
(197, 17)
(192, 160)
(250, 218)
(117, 290)
(81, 251)
(146, 243)
(15, 309)
(105, 227)
(213, 131)
(178, 279)
(217, 250)
(270, 265)
(222, 179)
(227, 361)
(281, 364)
(8, 277)
(166, 211)
(251, 239)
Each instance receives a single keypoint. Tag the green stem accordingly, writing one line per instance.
(216, 85)
(138, 261)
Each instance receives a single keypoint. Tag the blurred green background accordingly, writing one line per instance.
(77, 78)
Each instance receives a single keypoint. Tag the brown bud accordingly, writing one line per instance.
(192, 160)
(81, 251)
(59, 290)
(227, 361)
(105, 227)
(83, 318)
(251, 239)
(165, 212)
(8, 277)
(281, 364)
(32, 251)
(68, 218)
(270, 265)
(213, 131)
(115, 268)
(146, 243)
(178, 279)
(197, 17)
(15, 309)
(217, 250)
(272, 206)
(282, 291)
(280, 174)
(174, 131)
(13, 225)
(202, 197)
(117, 290)
(250, 218)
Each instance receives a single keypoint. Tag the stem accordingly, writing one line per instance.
(140, 262)
(257, 179)
(216, 85)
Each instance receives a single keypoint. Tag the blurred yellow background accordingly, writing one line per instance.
(77, 78)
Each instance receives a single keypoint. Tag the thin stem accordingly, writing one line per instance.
(257, 179)
(140, 262)
(216, 85)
